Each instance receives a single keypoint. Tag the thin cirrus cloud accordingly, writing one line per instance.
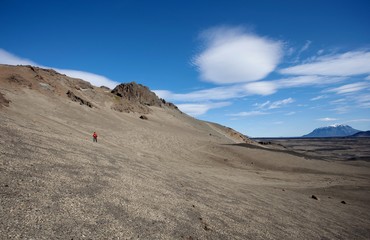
(318, 98)
(94, 79)
(345, 64)
(248, 114)
(233, 55)
(350, 88)
(241, 90)
(275, 104)
(327, 119)
(217, 93)
(263, 107)
(196, 109)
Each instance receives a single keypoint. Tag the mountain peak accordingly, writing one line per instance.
(336, 130)
(338, 125)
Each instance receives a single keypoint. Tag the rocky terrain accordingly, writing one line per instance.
(167, 176)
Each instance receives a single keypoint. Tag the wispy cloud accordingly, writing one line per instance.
(350, 88)
(318, 97)
(195, 109)
(260, 88)
(305, 46)
(276, 104)
(339, 101)
(359, 120)
(367, 78)
(218, 93)
(242, 90)
(232, 55)
(290, 113)
(309, 80)
(11, 59)
(248, 114)
(303, 49)
(95, 79)
(341, 109)
(346, 64)
(280, 103)
(327, 119)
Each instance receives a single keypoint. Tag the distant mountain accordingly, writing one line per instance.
(337, 130)
(361, 134)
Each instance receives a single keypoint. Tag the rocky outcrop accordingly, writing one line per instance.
(75, 98)
(134, 92)
(19, 80)
(133, 97)
(3, 101)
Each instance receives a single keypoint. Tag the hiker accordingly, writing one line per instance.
(95, 137)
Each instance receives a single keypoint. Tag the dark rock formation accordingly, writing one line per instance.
(143, 117)
(137, 93)
(75, 98)
(133, 97)
(105, 88)
(18, 79)
(3, 101)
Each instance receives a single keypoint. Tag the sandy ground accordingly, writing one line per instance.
(168, 177)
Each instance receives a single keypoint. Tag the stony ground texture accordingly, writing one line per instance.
(167, 177)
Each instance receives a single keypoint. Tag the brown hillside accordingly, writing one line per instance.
(165, 176)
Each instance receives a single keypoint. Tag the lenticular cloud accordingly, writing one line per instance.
(233, 56)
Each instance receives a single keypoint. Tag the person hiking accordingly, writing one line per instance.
(95, 137)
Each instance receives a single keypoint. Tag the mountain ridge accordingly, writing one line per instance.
(336, 130)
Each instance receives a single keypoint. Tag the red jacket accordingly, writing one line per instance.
(95, 135)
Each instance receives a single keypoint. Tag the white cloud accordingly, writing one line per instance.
(273, 105)
(346, 64)
(262, 105)
(318, 98)
(341, 100)
(342, 109)
(280, 103)
(290, 113)
(305, 46)
(327, 119)
(350, 88)
(359, 120)
(95, 79)
(248, 114)
(308, 80)
(260, 88)
(233, 56)
(11, 59)
(218, 93)
(202, 108)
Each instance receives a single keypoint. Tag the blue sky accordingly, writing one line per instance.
(264, 68)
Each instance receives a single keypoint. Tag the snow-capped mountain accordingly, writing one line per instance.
(336, 130)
